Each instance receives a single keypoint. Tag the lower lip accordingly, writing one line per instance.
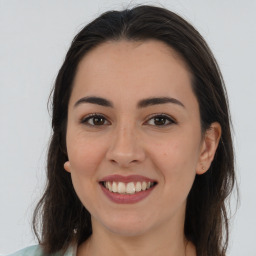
(126, 198)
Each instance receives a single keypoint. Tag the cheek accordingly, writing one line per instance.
(176, 155)
(176, 160)
(84, 154)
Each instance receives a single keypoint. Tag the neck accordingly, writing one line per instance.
(170, 242)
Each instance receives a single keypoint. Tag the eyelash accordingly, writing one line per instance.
(164, 117)
(89, 117)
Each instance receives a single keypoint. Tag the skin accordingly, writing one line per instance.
(129, 141)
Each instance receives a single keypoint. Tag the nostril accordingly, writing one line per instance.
(122, 162)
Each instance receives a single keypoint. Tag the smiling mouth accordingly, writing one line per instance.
(127, 188)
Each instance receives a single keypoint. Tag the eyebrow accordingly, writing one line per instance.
(94, 100)
(156, 101)
(141, 104)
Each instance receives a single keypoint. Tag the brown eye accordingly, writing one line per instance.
(160, 120)
(95, 120)
(98, 120)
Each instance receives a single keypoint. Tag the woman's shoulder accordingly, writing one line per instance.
(35, 250)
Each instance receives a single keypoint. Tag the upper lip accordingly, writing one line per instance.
(126, 179)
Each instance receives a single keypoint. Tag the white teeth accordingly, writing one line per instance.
(129, 188)
(138, 187)
(114, 187)
(108, 185)
(121, 188)
(144, 185)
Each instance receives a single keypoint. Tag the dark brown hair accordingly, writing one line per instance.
(59, 215)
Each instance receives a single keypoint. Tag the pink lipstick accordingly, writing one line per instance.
(127, 189)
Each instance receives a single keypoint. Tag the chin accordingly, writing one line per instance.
(127, 226)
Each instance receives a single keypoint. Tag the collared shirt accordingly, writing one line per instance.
(35, 250)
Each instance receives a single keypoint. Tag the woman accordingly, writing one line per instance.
(141, 158)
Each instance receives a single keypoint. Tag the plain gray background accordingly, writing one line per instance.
(35, 36)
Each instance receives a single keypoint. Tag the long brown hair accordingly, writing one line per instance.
(60, 217)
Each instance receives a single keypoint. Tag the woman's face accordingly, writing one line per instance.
(133, 136)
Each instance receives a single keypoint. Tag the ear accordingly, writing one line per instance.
(67, 166)
(209, 146)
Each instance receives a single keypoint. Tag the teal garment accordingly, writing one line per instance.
(35, 250)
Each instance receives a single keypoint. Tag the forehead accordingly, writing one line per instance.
(123, 69)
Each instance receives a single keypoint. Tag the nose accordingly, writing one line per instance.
(125, 147)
